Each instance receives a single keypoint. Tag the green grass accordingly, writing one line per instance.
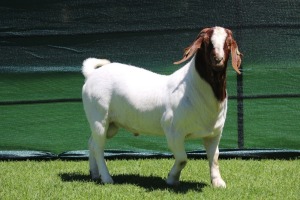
(144, 179)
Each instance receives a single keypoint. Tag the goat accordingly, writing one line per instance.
(190, 103)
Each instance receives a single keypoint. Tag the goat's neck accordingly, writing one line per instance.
(217, 80)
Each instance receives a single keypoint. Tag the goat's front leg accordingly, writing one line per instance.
(176, 144)
(211, 145)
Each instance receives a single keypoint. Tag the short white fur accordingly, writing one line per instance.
(218, 39)
(178, 106)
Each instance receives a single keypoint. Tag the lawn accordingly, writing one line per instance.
(144, 179)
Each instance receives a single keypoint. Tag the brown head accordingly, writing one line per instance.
(213, 47)
(217, 43)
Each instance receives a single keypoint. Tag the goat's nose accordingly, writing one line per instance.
(216, 55)
(218, 59)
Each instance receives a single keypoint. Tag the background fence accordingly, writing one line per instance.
(43, 44)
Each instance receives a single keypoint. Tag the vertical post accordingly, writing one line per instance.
(240, 111)
(240, 92)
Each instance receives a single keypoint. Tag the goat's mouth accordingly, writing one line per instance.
(217, 65)
(218, 69)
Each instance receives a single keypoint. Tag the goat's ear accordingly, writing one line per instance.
(191, 50)
(236, 56)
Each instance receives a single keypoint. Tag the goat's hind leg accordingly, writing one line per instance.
(94, 172)
(98, 152)
(96, 146)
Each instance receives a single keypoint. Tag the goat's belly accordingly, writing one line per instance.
(146, 123)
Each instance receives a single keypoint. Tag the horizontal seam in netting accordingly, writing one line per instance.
(70, 100)
(142, 31)
(4, 103)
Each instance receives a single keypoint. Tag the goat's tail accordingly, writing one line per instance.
(90, 64)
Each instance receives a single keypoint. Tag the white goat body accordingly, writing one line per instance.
(191, 102)
(145, 102)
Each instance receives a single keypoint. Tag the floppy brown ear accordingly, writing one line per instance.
(236, 56)
(192, 49)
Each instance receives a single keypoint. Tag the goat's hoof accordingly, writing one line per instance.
(107, 180)
(94, 176)
(218, 183)
(172, 182)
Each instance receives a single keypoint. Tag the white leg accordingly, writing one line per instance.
(92, 161)
(97, 116)
(212, 150)
(176, 144)
(102, 168)
(99, 138)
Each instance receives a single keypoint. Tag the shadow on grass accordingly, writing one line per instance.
(150, 183)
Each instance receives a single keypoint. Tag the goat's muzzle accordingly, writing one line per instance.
(217, 61)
